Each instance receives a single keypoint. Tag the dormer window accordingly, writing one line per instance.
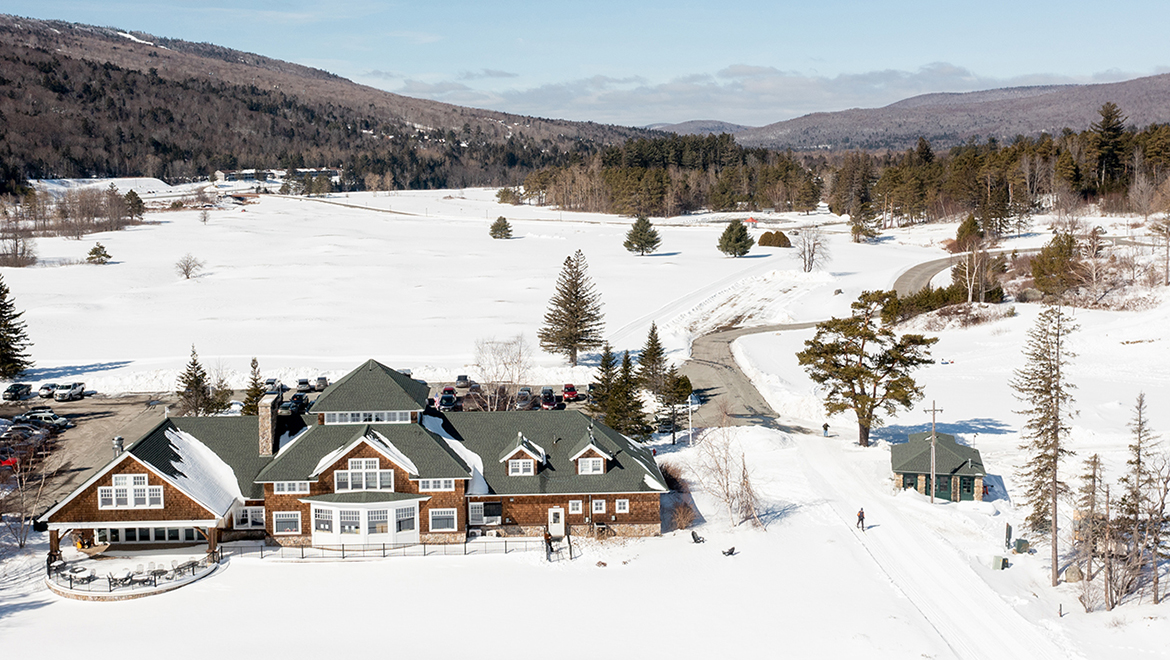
(591, 466)
(372, 417)
(521, 467)
(363, 474)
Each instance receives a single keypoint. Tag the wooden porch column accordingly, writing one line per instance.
(54, 545)
(212, 539)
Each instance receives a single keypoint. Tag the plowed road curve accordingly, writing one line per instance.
(974, 620)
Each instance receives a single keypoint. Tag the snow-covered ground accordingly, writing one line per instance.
(311, 287)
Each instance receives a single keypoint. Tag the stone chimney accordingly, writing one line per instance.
(267, 411)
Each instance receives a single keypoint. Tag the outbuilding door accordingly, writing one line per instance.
(556, 522)
(966, 488)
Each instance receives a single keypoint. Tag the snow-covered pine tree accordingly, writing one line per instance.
(500, 228)
(735, 241)
(1043, 387)
(195, 388)
(642, 238)
(14, 342)
(574, 320)
(255, 391)
(604, 384)
(652, 363)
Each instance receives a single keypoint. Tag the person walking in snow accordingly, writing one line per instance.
(861, 519)
(826, 427)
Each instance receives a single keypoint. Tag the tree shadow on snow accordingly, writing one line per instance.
(776, 512)
(970, 428)
(72, 371)
(664, 254)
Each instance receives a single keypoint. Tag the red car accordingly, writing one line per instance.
(569, 392)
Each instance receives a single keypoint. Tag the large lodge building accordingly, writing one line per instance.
(371, 465)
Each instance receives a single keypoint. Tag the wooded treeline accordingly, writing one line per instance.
(676, 175)
(62, 117)
(1121, 168)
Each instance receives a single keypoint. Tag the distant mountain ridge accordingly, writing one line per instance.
(950, 119)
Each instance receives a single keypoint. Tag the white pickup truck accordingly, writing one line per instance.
(69, 391)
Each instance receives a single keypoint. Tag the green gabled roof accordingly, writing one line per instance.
(559, 433)
(364, 497)
(521, 442)
(951, 458)
(430, 455)
(236, 440)
(372, 387)
(598, 440)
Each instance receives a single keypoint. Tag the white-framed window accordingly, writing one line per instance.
(286, 522)
(621, 506)
(323, 520)
(291, 487)
(378, 521)
(130, 491)
(590, 466)
(521, 467)
(369, 417)
(425, 485)
(443, 520)
(250, 517)
(404, 519)
(475, 513)
(363, 474)
(350, 521)
(598, 506)
(575, 506)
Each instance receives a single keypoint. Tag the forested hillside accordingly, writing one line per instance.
(80, 101)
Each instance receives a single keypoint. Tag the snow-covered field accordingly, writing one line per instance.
(311, 287)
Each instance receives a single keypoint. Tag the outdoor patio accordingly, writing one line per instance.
(123, 574)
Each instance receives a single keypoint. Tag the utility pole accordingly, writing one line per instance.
(933, 486)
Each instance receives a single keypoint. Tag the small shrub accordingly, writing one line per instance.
(176, 205)
(98, 255)
(683, 516)
(500, 228)
(673, 475)
(775, 239)
(509, 196)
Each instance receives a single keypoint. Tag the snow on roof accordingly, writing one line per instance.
(391, 451)
(650, 481)
(478, 485)
(527, 446)
(202, 474)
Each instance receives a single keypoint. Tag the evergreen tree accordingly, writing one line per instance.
(1054, 269)
(862, 224)
(134, 205)
(1043, 387)
(864, 366)
(1139, 486)
(98, 255)
(1109, 143)
(195, 388)
(574, 320)
(255, 391)
(642, 238)
(14, 342)
(1090, 507)
(735, 240)
(968, 233)
(676, 392)
(603, 386)
(652, 362)
(500, 228)
(624, 412)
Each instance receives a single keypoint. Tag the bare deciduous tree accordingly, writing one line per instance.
(501, 364)
(26, 491)
(812, 248)
(188, 265)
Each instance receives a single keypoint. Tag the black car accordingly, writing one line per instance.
(17, 392)
(300, 403)
(448, 403)
(548, 400)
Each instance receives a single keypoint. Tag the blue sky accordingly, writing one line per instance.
(637, 63)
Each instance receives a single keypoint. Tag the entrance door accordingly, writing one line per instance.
(556, 522)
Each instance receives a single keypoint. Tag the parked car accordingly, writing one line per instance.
(300, 403)
(569, 392)
(17, 392)
(69, 392)
(448, 390)
(286, 408)
(473, 387)
(461, 380)
(303, 385)
(322, 383)
(273, 386)
(448, 403)
(37, 409)
(46, 391)
(50, 418)
(524, 399)
(548, 400)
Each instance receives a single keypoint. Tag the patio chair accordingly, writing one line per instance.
(138, 570)
(150, 567)
(696, 538)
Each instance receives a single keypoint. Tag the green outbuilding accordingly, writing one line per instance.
(959, 469)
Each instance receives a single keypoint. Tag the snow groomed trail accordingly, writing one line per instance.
(973, 619)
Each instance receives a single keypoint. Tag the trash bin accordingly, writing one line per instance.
(1021, 546)
(998, 563)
